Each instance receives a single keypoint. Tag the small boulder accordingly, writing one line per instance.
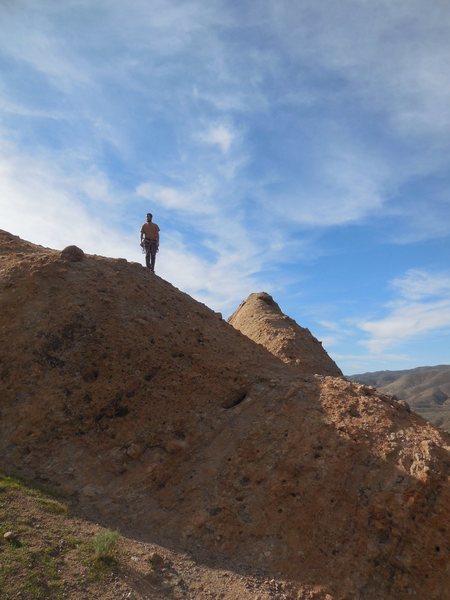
(156, 560)
(72, 254)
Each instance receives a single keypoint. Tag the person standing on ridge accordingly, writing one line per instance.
(150, 241)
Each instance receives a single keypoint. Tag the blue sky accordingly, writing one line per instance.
(301, 148)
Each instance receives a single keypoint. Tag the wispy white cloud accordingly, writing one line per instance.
(328, 340)
(29, 38)
(46, 203)
(153, 48)
(417, 219)
(334, 333)
(55, 205)
(347, 188)
(18, 109)
(239, 99)
(417, 284)
(423, 307)
(97, 187)
(218, 283)
(195, 201)
(219, 135)
(415, 318)
(411, 85)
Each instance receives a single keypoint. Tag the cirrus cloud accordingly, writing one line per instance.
(423, 307)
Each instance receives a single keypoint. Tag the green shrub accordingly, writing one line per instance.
(103, 550)
(104, 544)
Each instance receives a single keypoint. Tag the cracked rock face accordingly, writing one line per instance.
(261, 319)
(156, 417)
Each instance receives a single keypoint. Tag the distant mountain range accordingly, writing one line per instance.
(426, 389)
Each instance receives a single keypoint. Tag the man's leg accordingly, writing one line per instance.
(147, 255)
(153, 257)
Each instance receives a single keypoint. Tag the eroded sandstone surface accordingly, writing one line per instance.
(153, 415)
(261, 319)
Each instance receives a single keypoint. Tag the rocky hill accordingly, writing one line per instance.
(261, 319)
(152, 415)
(426, 389)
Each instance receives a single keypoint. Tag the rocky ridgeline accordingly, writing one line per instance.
(153, 415)
(426, 389)
(261, 319)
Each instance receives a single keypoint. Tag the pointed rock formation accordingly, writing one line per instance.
(261, 319)
(154, 416)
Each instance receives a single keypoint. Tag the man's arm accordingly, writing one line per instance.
(142, 234)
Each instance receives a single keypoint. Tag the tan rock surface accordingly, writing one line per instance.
(261, 319)
(155, 416)
(426, 389)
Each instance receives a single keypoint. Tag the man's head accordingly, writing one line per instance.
(149, 217)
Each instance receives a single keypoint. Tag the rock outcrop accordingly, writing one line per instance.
(426, 389)
(154, 416)
(261, 319)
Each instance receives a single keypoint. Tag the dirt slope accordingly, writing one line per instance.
(427, 389)
(261, 319)
(153, 415)
(48, 554)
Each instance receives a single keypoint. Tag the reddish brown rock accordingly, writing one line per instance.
(261, 319)
(72, 254)
(240, 461)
